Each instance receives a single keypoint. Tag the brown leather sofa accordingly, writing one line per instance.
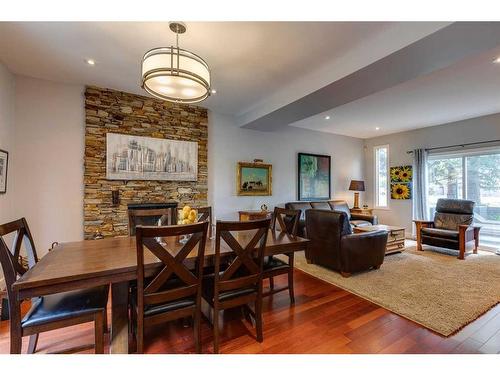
(451, 228)
(333, 245)
(356, 220)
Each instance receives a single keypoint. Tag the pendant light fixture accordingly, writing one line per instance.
(175, 74)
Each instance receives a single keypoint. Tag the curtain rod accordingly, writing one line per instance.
(460, 145)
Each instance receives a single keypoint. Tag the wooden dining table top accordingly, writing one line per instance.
(93, 262)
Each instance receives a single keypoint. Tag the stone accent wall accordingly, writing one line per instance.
(119, 112)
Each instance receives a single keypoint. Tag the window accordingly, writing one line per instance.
(381, 175)
(473, 175)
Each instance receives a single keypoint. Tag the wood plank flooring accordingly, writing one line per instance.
(325, 319)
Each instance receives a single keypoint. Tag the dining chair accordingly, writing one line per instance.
(239, 282)
(205, 214)
(173, 290)
(287, 221)
(164, 216)
(51, 311)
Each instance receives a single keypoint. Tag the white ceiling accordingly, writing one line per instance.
(264, 64)
(464, 90)
(248, 60)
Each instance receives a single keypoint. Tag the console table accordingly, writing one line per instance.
(395, 238)
(248, 215)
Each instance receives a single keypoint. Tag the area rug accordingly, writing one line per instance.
(433, 289)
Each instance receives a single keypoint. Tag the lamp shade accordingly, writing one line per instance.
(357, 185)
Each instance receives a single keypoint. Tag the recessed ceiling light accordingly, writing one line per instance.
(90, 61)
(377, 128)
(327, 117)
(497, 60)
(213, 91)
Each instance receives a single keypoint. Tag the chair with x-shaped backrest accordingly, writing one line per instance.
(172, 290)
(47, 312)
(285, 221)
(240, 282)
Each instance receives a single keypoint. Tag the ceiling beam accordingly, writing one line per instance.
(436, 51)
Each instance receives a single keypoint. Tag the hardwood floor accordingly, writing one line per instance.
(325, 319)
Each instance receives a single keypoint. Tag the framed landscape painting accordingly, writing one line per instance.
(130, 157)
(314, 182)
(4, 163)
(254, 179)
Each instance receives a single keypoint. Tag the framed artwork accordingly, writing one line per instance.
(400, 190)
(130, 157)
(401, 179)
(4, 164)
(314, 180)
(254, 179)
(402, 174)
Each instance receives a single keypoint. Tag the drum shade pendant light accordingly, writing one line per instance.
(174, 74)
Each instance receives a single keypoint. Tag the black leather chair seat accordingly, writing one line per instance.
(272, 263)
(208, 291)
(441, 233)
(172, 283)
(360, 223)
(65, 305)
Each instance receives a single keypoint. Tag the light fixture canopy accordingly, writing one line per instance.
(175, 74)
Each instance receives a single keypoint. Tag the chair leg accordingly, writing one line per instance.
(16, 340)
(216, 330)
(140, 335)
(271, 283)
(258, 319)
(197, 329)
(99, 332)
(461, 255)
(290, 280)
(345, 274)
(32, 343)
(105, 321)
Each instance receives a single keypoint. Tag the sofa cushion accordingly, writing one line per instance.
(321, 205)
(341, 206)
(302, 206)
(455, 206)
(360, 223)
(451, 221)
(441, 233)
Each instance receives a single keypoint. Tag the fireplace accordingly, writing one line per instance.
(164, 213)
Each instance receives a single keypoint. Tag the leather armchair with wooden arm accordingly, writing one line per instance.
(451, 228)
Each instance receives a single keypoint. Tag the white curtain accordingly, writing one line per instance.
(420, 184)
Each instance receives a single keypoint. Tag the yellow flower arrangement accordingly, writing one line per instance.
(187, 215)
(400, 191)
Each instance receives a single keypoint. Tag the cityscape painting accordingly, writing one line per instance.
(130, 157)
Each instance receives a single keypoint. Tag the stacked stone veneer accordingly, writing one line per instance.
(119, 112)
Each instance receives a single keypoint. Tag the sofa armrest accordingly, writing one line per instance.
(371, 218)
(360, 251)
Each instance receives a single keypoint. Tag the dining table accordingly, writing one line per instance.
(113, 261)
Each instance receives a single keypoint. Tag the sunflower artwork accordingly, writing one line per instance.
(400, 191)
(401, 178)
(402, 174)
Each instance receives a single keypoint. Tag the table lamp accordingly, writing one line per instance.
(357, 186)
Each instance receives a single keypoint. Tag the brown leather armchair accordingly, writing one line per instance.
(451, 228)
(333, 245)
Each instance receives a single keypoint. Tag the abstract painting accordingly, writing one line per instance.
(314, 177)
(4, 163)
(130, 157)
(254, 179)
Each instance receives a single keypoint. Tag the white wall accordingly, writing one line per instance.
(7, 137)
(228, 144)
(466, 131)
(49, 149)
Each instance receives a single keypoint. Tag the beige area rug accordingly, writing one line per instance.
(435, 290)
